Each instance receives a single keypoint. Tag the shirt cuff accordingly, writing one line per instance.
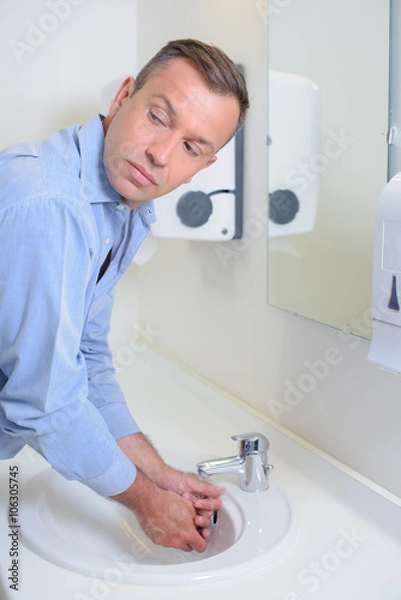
(118, 478)
(83, 449)
(119, 420)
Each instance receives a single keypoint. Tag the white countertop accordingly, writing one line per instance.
(349, 545)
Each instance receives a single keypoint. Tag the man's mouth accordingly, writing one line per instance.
(141, 175)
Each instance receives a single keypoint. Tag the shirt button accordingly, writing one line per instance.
(120, 207)
(107, 241)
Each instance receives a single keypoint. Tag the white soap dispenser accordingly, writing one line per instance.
(385, 348)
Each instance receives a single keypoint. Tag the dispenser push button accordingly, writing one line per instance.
(393, 303)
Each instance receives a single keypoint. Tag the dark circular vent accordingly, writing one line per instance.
(283, 206)
(194, 208)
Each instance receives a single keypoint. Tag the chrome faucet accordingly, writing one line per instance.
(250, 464)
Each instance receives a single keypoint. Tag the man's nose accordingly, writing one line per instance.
(161, 150)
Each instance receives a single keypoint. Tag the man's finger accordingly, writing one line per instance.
(206, 489)
(202, 522)
(205, 513)
(210, 504)
(198, 542)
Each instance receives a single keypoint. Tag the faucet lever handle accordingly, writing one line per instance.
(251, 443)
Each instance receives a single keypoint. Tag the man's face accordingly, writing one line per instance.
(167, 132)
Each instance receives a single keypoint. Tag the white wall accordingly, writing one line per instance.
(56, 55)
(211, 314)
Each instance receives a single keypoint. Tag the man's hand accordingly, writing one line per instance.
(167, 518)
(204, 497)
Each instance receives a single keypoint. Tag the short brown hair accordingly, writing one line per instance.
(220, 73)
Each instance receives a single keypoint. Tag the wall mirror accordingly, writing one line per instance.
(328, 155)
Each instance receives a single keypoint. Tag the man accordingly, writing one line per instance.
(73, 211)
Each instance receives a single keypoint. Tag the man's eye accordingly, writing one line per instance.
(193, 151)
(156, 119)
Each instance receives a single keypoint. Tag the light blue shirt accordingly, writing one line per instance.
(59, 217)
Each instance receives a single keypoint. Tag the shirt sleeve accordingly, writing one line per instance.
(45, 267)
(104, 391)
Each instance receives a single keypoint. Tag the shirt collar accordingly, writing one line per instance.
(93, 173)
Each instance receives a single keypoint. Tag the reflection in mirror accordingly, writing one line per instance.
(328, 118)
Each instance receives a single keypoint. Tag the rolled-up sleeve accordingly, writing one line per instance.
(45, 268)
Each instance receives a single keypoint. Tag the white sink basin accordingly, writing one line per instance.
(71, 526)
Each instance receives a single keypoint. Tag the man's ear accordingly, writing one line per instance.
(124, 92)
(208, 164)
